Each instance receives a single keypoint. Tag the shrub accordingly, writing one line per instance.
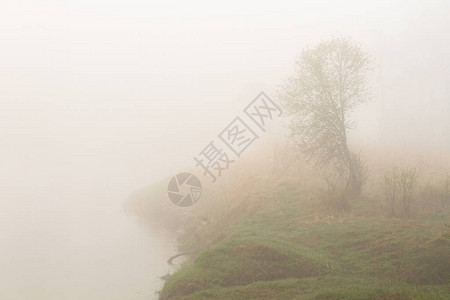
(338, 191)
(435, 195)
(391, 188)
(400, 185)
(360, 172)
(408, 180)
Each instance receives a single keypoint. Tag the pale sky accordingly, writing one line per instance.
(130, 80)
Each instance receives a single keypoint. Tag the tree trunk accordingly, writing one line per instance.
(355, 189)
(354, 186)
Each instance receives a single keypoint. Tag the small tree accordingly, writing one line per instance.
(329, 82)
(400, 185)
(435, 194)
(408, 180)
(391, 188)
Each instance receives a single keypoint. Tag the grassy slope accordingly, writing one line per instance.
(279, 245)
(271, 236)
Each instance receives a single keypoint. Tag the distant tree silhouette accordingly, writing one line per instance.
(329, 82)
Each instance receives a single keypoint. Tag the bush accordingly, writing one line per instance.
(400, 185)
(360, 172)
(408, 180)
(391, 187)
(338, 191)
(341, 186)
(435, 195)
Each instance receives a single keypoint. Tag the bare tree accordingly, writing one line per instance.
(391, 188)
(330, 80)
(400, 185)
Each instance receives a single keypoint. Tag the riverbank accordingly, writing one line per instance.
(290, 251)
(274, 237)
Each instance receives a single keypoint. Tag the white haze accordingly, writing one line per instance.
(100, 98)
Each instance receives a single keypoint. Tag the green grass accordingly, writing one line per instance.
(279, 245)
(326, 287)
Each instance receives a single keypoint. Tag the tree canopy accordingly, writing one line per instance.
(329, 81)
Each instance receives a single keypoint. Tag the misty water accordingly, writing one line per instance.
(77, 243)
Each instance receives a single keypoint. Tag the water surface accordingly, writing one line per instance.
(77, 243)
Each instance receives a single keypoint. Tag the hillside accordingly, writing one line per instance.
(268, 234)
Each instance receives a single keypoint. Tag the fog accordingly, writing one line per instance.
(101, 98)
